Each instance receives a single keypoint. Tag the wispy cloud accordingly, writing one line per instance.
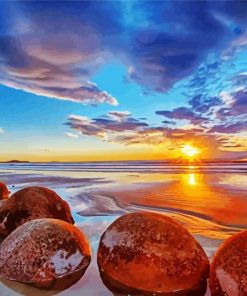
(71, 135)
(106, 126)
(237, 105)
(122, 127)
(232, 128)
(183, 113)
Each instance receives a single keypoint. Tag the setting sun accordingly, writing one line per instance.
(190, 151)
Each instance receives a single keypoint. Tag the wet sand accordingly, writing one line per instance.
(211, 204)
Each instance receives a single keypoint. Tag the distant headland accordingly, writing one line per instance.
(164, 161)
(15, 161)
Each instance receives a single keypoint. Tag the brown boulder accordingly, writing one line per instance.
(228, 274)
(46, 253)
(4, 192)
(29, 204)
(151, 254)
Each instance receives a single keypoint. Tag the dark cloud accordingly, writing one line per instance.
(53, 48)
(183, 113)
(179, 36)
(229, 128)
(169, 122)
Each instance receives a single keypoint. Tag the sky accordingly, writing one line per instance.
(122, 80)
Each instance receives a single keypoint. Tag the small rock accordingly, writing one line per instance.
(29, 204)
(151, 254)
(46, 253)
(228, 275)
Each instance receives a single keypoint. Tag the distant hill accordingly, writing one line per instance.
(15, 161)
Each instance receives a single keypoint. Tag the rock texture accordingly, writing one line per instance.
(4, 192)
(29, 204)
(228, 274)
(46, 253)
(151, 254)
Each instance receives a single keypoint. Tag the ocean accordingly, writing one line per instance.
(209, 199)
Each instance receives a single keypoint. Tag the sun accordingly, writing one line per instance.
(190, 151)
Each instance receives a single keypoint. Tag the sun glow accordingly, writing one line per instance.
(190, 151)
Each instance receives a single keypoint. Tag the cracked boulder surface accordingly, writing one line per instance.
(31, 203)
(147, 253)
(45, 253)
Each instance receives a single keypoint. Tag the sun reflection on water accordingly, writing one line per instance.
(192, 179)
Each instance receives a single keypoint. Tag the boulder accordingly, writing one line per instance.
(151, 254)
(29, 204)
(228, 274)
(45, 253)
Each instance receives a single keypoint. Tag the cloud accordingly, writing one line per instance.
(204, 105)
(54, 50)
(71, 135)
(130, 131)
(240, 79)
(169, 122)
(50, 62)
(183, 113)
(122, 128)
(107, 126)
(237, 105)
(119, 115)
(229, 128)
(1, 131)
(171, 47)
(233, 143)
(21, 69)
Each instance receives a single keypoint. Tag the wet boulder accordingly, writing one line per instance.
(228, 274)
(4, 192)
(150, 254)
(45, 253)
(29, 204)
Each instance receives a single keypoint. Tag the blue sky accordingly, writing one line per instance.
(85, 80)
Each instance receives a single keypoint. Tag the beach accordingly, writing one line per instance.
(210, 200)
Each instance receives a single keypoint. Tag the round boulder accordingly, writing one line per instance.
(29, 204)
(228, 275)
(46, 253)
(150, 254)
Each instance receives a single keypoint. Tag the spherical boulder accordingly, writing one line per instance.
(46, 253)
(4, 192)
(228, 272)
(29, 204)
(146, 253)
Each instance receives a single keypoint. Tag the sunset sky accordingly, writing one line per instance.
(122, 80)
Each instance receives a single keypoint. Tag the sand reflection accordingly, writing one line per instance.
(203, 202)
